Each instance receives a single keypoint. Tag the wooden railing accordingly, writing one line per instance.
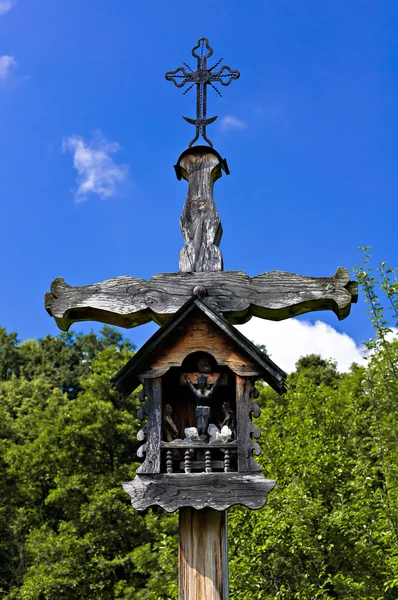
(198, 456)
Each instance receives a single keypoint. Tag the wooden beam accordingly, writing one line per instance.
(203, 555)
(151, 433)
(129, 301)
(198, 490)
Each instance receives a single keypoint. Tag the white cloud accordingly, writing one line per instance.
(5, 6)
(392, 335)
(97, 172)
(7, 63)
(229, 122)
(286, 341)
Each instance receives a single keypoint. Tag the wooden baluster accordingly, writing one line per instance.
(227, 461)
(208, 461)
(187, 462)
(169, 461)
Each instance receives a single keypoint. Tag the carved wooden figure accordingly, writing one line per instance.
(170, 429)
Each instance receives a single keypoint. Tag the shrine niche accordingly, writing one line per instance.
(198, 375)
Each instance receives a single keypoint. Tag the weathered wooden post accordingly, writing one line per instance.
(197, 371)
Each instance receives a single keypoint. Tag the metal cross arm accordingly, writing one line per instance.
(202, 77)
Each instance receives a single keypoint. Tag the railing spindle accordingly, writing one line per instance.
(169, 461)
(208, 468)
(187, 462)
(227, 461)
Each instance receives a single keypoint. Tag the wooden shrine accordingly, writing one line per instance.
(198, 373)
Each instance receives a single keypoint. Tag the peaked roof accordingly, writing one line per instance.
(126, 380)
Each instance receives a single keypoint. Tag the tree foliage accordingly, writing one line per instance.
(329, 529)
(68, 441)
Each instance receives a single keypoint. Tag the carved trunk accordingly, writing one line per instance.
(200, 222)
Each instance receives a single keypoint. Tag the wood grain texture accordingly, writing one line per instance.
(198, 490)
(203, 554)
(199, 334)
(152, 430)
(246, 429)
(129, 301)
(196, 327)
(200, 222)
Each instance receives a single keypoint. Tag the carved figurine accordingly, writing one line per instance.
(217, 436)
(225, 434)
(203, 392)
(229, 418)
(213, 432)
(170, 428)
(191, 435)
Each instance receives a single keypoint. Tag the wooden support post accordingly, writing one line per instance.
(203, 554)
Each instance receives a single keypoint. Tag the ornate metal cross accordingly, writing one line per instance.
(202, 77)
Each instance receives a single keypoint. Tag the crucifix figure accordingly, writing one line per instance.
(202, 77)
(203, 392)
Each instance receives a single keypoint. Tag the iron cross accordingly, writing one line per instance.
(202, 77)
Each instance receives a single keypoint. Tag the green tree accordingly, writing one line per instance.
(9, 355)
(329, 529)
(68, 530)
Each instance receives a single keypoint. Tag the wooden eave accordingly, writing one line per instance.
(128, 378)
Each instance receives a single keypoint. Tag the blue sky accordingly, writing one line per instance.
(310, 133)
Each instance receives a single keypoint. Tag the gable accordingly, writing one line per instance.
(197, 328)
(197, 333)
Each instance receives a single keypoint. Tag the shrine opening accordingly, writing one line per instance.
(198, 372)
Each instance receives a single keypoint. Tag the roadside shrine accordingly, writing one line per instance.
(198, 372)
